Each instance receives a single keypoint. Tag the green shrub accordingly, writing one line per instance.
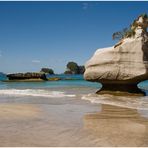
(130, 31)
(47, 70)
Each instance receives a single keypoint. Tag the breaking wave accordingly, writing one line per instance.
(35, 93)
(133, 102)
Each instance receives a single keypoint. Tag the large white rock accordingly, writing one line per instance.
(125, 63)
(121, 67)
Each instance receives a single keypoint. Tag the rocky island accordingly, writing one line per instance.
(120, 68)
(27, 77)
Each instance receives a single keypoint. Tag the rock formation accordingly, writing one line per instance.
(123, 66)
(27, 76)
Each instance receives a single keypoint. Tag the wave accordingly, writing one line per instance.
(35, 93)
(133, 102)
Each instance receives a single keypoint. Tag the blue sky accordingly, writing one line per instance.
(49, 34)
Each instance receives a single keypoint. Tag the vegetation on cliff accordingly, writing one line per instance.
(47, 70)
(74, 68)
(130, 31)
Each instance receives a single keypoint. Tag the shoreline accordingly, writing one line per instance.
(37, 121)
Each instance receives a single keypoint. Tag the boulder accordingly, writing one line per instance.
(123, 66)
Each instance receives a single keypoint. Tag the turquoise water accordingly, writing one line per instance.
(143, 85)
(77, 88)
(48, 89)
(77, 81)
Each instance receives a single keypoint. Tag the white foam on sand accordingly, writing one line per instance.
(133, 102)
(34, 93)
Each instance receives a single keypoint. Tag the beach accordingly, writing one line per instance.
(70, 116)
(73, 75)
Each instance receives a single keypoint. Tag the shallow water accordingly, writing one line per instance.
(69, 113)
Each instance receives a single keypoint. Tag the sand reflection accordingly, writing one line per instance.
(118, 126)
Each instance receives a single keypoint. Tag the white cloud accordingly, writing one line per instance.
(36, 61)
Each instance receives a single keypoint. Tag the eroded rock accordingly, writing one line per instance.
(123, 66)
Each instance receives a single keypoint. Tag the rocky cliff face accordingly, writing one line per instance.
(124, 64)
(127, 63)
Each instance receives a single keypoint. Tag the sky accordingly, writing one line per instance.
(51, 33)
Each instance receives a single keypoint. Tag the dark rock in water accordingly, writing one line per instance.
(27, 76)
(121, 89)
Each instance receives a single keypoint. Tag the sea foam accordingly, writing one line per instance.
(35, 93)
(133, 102)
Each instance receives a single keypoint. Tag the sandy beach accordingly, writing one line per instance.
(73, 74)
(69, 122)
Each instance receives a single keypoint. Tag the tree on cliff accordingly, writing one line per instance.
(74, 68)
(130, 31)
(122, 34)
(47, 70)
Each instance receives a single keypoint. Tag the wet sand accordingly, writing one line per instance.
(18, 111)
(71, 122)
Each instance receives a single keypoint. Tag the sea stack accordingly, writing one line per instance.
(120, 68)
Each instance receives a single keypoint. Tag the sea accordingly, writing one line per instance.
(71, 86)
